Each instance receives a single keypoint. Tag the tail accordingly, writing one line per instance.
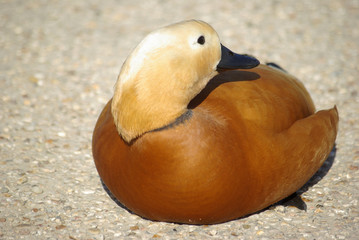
(274, 65)
(307, 144)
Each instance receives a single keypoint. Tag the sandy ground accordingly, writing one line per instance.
(59, 61)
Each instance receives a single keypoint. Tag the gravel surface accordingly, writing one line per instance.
(59, 61)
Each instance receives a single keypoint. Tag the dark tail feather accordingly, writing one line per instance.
(274, 65)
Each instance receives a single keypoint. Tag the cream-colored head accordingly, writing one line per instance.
(163, 73)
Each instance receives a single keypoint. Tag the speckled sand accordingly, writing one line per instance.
(59, 61)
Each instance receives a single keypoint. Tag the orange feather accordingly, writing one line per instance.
(247, 140)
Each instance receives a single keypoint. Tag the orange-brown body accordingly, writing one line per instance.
(253, 139)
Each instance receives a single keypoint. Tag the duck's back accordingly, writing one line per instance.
(264, 95)
(251, 139)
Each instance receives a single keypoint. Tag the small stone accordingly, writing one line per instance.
(61, 134)
(94, 230)
(24, 231)
(246, 226)
(67, 208)
(49, 141)
(353, 167)
(46, 170)
(88, 191)
(22, 180)
(39, 75)
(4, 190)
(34, 79)
(36, 189)
(7, 194)
(280, 209)
(318, 210)
(27, 102)
(134, 228)
(59, 227)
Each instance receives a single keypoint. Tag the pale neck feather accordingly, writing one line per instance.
(142, 104)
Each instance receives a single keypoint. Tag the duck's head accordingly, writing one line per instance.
(165, 72)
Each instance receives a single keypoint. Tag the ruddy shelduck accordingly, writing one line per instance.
(197, 134)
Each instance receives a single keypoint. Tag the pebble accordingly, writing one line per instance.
(22, 180)
(213, 232)
(246, 226)
(94, 230)
(4, 190)
(67, 208)
(61, 134)
(59, 227)
(36, 189)
(88, 191)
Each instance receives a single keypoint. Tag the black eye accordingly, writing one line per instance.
(201, 40)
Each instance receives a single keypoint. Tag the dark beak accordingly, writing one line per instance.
(231, 60)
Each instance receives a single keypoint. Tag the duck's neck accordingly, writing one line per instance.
(136, 112)
(155, 94)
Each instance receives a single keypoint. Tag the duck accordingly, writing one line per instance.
(198, 134)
